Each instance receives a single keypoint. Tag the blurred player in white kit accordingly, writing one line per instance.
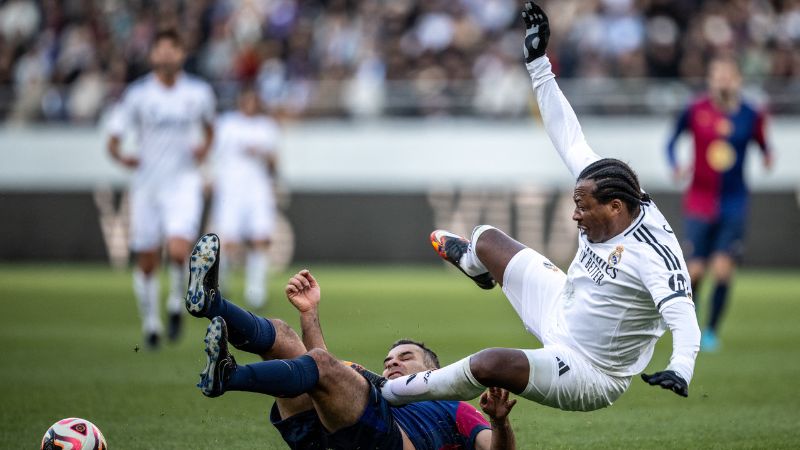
(244, 207)
(171, 113)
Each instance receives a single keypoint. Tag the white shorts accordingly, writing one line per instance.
(533, 285)
(171, 210)
(560, 376)
(244, 215)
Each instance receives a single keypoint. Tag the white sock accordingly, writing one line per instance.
(453, 382)
(177, 288)
(146, 288)
(470, 262)
(255, 282)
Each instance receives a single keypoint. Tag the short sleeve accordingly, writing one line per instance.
(662, 271)
(470, 422)
(123, 115)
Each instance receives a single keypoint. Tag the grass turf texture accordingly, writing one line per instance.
(69, 333)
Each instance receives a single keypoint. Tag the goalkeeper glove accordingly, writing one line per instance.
(668, 379)
(537, 31)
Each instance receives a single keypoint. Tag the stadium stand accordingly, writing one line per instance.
(67, 60)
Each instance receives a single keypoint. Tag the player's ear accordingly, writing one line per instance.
(616, 206)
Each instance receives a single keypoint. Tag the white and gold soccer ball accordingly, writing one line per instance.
(74, 434)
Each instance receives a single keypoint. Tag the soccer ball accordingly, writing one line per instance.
(74, 434)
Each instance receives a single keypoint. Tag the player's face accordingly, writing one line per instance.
(594, 218)
(724, 80)
(166, 56)
(248, 103)
(404, 360)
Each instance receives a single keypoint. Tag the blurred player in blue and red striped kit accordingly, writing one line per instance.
(716, 203)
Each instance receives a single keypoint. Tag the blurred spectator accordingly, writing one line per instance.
(19, 19)
(367, 57)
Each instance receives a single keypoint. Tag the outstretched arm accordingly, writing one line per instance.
(559, 119)
(303, 293)
(678, 172)
(669, 286)
(760, 137)
(121, 119)
(682, 322)
(680, 126)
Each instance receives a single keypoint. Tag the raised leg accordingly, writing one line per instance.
(495, 249)
(341, 394)
(463, 380)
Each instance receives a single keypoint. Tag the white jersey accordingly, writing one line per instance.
(167, 123)
(242, 142)
(612, 307)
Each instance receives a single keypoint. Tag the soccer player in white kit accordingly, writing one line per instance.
(244, 207)
(171, 113)
(600, 321)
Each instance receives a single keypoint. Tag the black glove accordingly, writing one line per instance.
(668, 379)
(537, 31)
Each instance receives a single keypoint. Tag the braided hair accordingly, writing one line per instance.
(615, 179)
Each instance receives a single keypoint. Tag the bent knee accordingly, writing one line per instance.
(325, 361)
(279, 324)
(500, 367)
(147, 262)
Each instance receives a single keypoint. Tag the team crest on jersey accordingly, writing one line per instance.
(616, 256)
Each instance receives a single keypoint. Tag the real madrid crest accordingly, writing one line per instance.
(616, 256)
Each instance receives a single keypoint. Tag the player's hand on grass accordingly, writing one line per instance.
(495, 403)
(668, 379)
(537, 31)
(303, 291)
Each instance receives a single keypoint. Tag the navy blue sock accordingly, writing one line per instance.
(718, 301)
(246, 331)
(279, 377)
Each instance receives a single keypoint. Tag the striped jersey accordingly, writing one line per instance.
(616, 301)
(610, 308)
(437, 425)
(721, 139)
(166, 121)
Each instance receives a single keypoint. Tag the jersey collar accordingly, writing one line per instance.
(635, 224)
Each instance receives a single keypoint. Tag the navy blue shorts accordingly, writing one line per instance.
(723, 235)
(376, 429)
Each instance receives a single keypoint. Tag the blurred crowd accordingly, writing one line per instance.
(67, 59)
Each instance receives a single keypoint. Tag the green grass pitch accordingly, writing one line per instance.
(68, 335)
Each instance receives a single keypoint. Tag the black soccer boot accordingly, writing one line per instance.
(451, 247)
(203, 275)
